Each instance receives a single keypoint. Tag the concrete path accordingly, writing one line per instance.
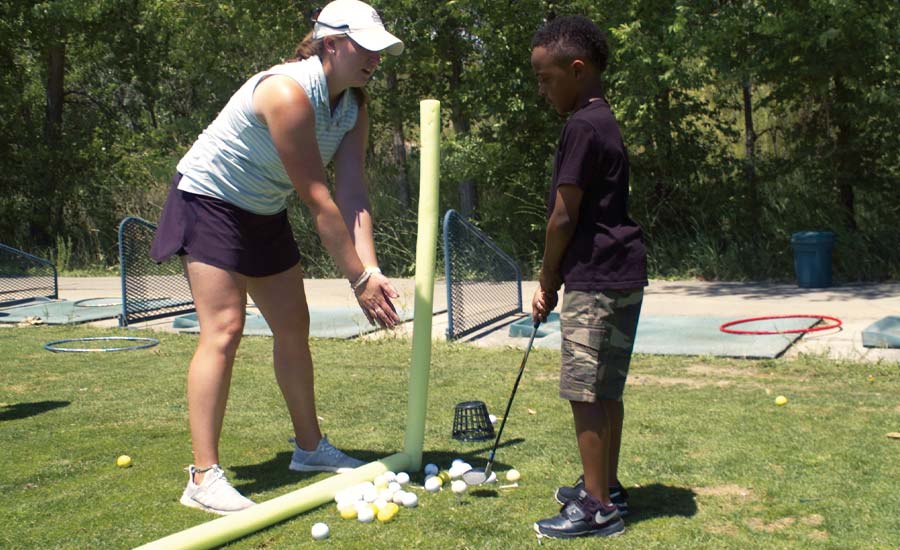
(857, 305)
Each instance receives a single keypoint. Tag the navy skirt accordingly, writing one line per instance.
(218, 233)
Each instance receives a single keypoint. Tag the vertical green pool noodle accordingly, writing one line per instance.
(426, 250)
(228, 528)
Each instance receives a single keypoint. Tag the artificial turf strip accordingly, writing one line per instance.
(709, 460)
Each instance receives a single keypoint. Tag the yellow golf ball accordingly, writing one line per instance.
(123, 461)
(349, 512)
(781, 400)
(388, 512)
(445, 477)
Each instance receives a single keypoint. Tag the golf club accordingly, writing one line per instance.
(477, 476)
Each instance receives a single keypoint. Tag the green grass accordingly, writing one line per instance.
(710, 461)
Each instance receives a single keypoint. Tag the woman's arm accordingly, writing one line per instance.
(284, 107)
(351, 190)
(352, 196)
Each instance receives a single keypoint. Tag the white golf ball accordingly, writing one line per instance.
(456, 461)
(458, 486)
(431, 469)
(432, 484)
(381, 482)
(402, 478)
(390, 476)
(398, 497)
(365, 514)
(459, 469)
(410, 500)
(393, 487)
(370, 494)
(513, 475)
(320, 531)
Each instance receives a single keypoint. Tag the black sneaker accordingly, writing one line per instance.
(618, 495)
(582, 517)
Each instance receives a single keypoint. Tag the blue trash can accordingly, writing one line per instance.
(812, 258)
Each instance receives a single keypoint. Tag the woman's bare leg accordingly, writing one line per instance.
(282, 300)
(220, 297)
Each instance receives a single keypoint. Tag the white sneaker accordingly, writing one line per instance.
(214, 494)
(326, 458)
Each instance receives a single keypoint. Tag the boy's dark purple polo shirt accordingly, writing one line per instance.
(607, 250)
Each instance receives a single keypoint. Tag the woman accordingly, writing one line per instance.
(225, 216)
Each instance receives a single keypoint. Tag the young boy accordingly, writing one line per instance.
(598, 252)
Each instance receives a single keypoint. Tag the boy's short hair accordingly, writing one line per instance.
(573, 36)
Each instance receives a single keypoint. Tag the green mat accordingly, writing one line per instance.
(324, 323)
(63, 312)
(683, 335)
(883, 333)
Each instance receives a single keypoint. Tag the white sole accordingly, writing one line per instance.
(191, 503)
(297, 467)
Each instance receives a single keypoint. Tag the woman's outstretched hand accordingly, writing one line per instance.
(375, 300)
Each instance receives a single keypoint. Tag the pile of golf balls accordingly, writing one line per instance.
(380, 498)
(383, 497)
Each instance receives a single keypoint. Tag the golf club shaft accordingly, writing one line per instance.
(512, 396)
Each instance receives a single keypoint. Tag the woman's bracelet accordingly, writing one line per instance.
(363, 277)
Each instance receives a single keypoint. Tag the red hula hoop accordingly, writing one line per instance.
(836, 323)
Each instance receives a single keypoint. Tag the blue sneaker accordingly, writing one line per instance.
(326, 458)
(582, 517)
(618, 495)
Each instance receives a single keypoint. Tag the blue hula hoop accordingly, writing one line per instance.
(145, 343)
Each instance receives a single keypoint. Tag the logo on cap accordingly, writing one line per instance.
(376, 18)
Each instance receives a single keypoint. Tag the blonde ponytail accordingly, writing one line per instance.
(308, 47)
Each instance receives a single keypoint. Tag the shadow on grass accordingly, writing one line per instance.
(477, 456)
(273, 473)
(18, 411)
(657, 501)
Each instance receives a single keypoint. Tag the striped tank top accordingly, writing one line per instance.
(235, 160)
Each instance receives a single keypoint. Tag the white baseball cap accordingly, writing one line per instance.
(360, 22)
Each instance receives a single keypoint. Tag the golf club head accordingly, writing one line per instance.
(478, 476)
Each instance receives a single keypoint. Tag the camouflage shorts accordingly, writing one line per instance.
(598, 329)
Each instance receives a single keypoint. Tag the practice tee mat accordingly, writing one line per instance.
(63, 312)
(683, 335)
(883, 333)
(323, 323)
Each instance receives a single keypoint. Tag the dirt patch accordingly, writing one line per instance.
(724, 491)
(727, 529)
(652, 380)
(818, 535)
(709, 370)
(779, 524)
(813, 520)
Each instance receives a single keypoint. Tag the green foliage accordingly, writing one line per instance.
(142, 78)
